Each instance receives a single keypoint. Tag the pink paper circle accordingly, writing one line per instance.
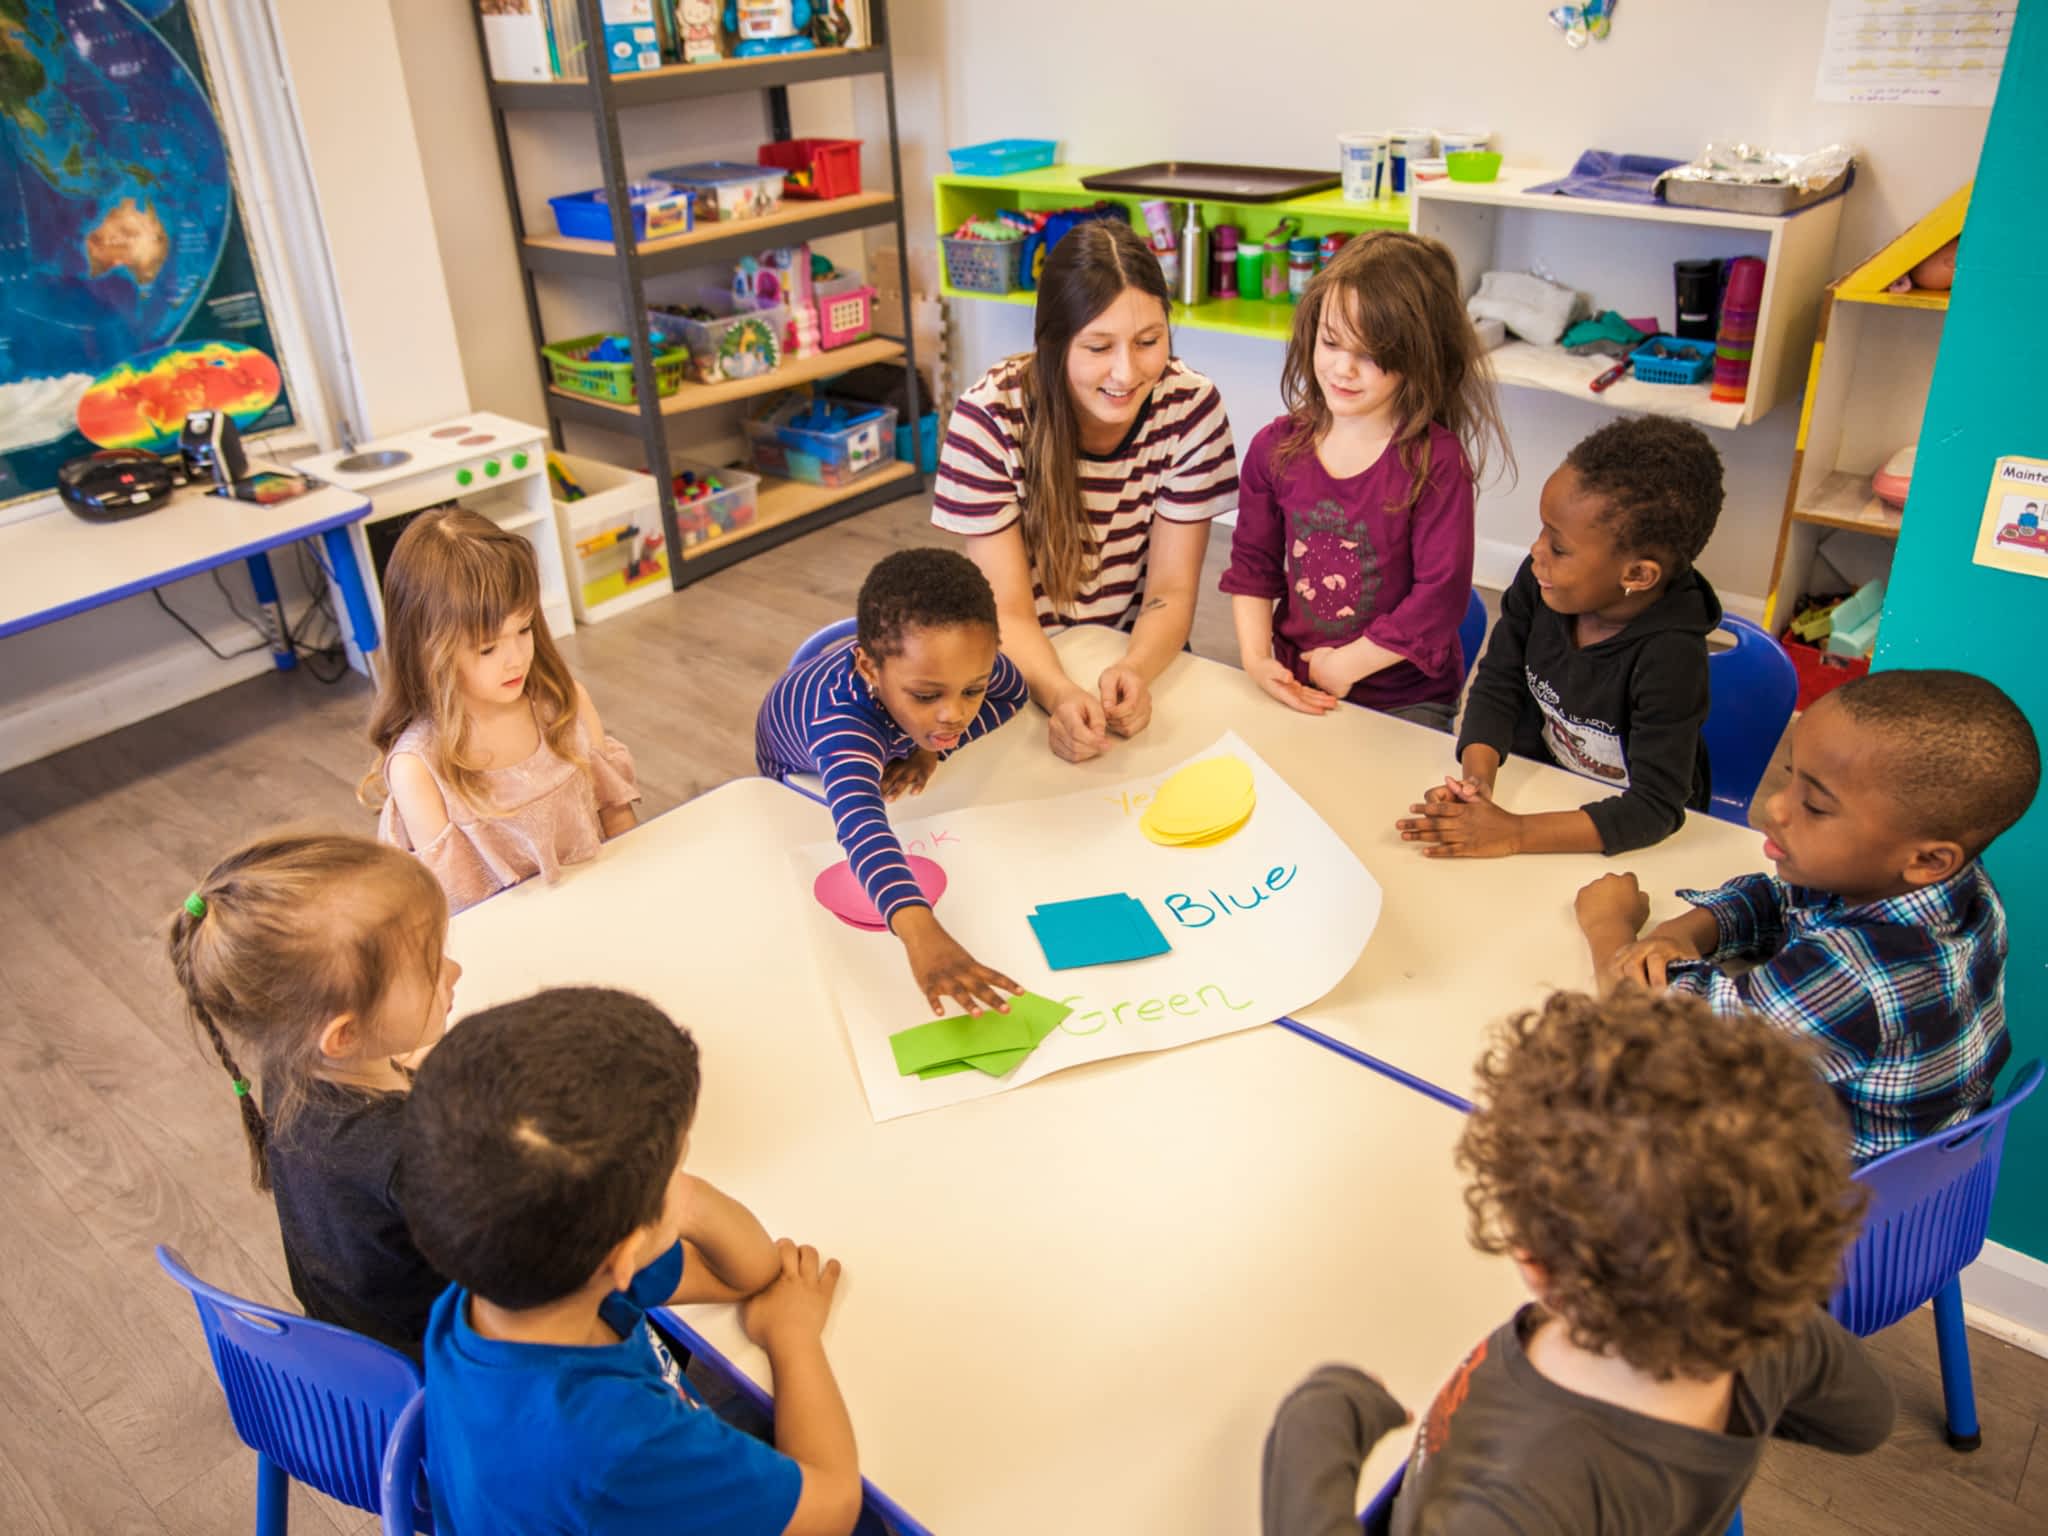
(839, 892)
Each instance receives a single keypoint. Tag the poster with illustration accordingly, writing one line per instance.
(1262, 918)
(125, 272)
(2013, 535)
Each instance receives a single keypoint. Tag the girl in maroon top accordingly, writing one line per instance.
(1351, 566)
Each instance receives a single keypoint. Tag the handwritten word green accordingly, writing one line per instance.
(1148, 1010)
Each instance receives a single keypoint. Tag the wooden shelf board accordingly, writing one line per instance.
(674, 82)
(1528, 366)
(791, 212)
(784, 501)
(1843, 500)
(1915, 298)
(695, 397)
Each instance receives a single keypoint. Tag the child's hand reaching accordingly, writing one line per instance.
(908, 775)
(942, 969)
(1280, 683)
(792, 1311)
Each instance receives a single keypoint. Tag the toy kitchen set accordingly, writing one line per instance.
(491, 465)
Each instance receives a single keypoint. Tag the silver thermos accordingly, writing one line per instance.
(1194, 258)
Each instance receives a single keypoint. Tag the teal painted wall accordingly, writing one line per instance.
(1990, 398)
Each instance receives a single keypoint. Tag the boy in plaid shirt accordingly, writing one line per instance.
(1880, 937)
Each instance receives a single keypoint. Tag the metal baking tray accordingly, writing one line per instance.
(1201, 182)
(1757, 197)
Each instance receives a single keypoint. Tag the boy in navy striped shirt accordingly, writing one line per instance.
(1880, 938)
(875, 715)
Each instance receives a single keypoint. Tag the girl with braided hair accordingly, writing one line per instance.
(313, 965)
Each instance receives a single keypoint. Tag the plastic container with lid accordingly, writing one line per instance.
(1251, 269)
(1301, 266)
(824, 441)
(724, 340)
(723, 191)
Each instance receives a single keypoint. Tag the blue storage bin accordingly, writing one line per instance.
(1652, 369)
(585, 216)
(924, 453)
(1004, 157)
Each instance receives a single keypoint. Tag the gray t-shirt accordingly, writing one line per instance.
(1505, 1449)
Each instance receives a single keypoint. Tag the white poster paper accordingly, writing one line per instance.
(1887, 52)
(1262, 923)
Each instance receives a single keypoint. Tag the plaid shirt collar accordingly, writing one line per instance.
(1941, 908)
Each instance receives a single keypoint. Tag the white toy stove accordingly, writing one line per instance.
(488, 463)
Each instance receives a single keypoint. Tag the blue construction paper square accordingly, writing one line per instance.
(1100, 930)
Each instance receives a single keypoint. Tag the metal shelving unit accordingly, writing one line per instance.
(787, 509)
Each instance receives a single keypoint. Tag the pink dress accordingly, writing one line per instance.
(544, 814)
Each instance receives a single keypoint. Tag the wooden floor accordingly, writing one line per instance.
(117, 1133)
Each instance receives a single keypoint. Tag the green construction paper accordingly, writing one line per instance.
(955, 1038)
(989, 1042)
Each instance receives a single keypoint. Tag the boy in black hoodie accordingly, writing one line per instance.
(1599, 661)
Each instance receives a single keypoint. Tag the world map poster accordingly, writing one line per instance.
(126, 281)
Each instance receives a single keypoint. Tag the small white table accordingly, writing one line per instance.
(1461, 943)
(58, 564)
(1070, 1307)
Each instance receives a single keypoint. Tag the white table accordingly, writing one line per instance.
(1461, 942)
(57, 564)
(1069, 1307)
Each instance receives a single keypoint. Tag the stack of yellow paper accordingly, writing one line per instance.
(1204, 803)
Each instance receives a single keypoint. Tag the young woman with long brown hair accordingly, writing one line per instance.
(492, 764)
(1084, 474)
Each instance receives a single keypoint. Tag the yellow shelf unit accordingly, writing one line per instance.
(1866, 390)
(956, 199)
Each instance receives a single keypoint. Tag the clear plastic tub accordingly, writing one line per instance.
(824, 442)
(736, 344)
(703, 518)
(723, 191)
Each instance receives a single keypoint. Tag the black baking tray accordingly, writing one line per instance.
(1201, 182)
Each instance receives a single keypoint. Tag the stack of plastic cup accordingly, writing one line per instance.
(1740, 301)
(1362, 157)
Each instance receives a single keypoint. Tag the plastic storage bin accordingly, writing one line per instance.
(612, 543)
(833, 165)
(1003, 157)
(846, 309)
(571, 368)
(737, 344)
(984, 266)
(1652, 369)
(824, 442)
(704, 517)
(722, 191)
(659, 210)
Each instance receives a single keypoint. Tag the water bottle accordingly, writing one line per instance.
(1194, 258)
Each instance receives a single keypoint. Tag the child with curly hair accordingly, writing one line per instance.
(1675, 1189)
(1599, 662)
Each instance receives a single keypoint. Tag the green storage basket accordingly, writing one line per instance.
(570, 368)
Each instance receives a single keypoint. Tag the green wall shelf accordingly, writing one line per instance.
(956, 199)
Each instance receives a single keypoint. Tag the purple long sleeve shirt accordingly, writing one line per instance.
(1337, 564)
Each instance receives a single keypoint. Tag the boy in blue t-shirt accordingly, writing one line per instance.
(543, 1174)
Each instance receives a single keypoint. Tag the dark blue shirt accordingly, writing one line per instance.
(546, 1438)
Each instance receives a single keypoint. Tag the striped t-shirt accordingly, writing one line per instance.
(1176, 462)
(820, 718)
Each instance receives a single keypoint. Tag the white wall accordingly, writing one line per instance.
(1122, 83)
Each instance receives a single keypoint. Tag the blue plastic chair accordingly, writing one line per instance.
(1753, 688)
(315, 1402)
(1472, 630)
(1930, 1205)
(1377, 1518)
(830, 635)
(402, 1490)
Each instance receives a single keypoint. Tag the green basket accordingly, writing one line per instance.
(570, 368)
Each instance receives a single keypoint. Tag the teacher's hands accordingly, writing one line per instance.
(1079, 728)
(1126, 698)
